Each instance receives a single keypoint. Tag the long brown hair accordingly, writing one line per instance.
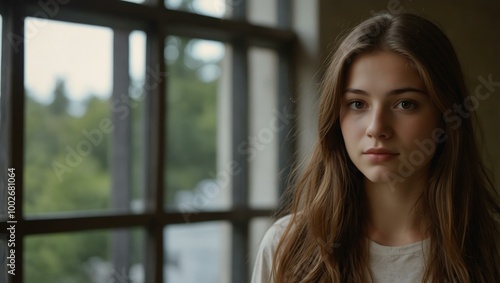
(325, 240)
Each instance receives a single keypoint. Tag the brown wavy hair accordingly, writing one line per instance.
(325, 240)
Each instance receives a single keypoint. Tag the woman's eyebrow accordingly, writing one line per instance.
(406, 89)
(392, 92)
(355, 91)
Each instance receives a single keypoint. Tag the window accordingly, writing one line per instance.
(150, 140)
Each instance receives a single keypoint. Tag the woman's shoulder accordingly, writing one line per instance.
(263, 264)
(274, 233)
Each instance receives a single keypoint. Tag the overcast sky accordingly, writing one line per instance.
(82, 54)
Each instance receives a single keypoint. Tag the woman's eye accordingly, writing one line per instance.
(356, 105)
(407, 105)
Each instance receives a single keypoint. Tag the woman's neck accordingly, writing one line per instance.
(393, 216)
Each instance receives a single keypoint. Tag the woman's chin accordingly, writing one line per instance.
(382, 176)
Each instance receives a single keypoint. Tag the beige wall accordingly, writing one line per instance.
(472, 26)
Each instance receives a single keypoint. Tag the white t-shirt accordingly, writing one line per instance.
(387, 264)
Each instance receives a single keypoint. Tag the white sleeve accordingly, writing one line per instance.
(263, 264)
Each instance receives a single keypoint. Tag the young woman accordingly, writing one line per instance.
(395, 190)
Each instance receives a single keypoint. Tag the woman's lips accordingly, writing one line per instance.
(380, 154)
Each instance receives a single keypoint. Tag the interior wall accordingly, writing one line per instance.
(472, 26)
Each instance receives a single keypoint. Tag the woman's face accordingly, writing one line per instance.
(389, 124)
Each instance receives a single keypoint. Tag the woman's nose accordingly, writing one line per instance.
(379, 124)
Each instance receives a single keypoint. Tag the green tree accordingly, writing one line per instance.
(60, 104)
(52, 131)
(191, 125)
(49, 130)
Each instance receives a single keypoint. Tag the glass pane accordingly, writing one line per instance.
(212, 8)
(198, 137)
(263, 12)
(198, 253)
(137, 93)
(85, 257)
(264, 127)
(258, 227)
(77, 134)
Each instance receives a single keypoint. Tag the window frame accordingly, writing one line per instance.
(157, 22)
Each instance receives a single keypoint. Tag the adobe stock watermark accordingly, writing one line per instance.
(48, 10)
(101, 270)
(471, 103)
(120, 107)
(452, 117)
(256, 143)
(121, 277)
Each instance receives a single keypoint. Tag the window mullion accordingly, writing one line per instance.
(121, 149)
(286, 102)
(13, 102)
(240, 181)
(155, 140)
(286, 136)
(284, 14)
(239, 11)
